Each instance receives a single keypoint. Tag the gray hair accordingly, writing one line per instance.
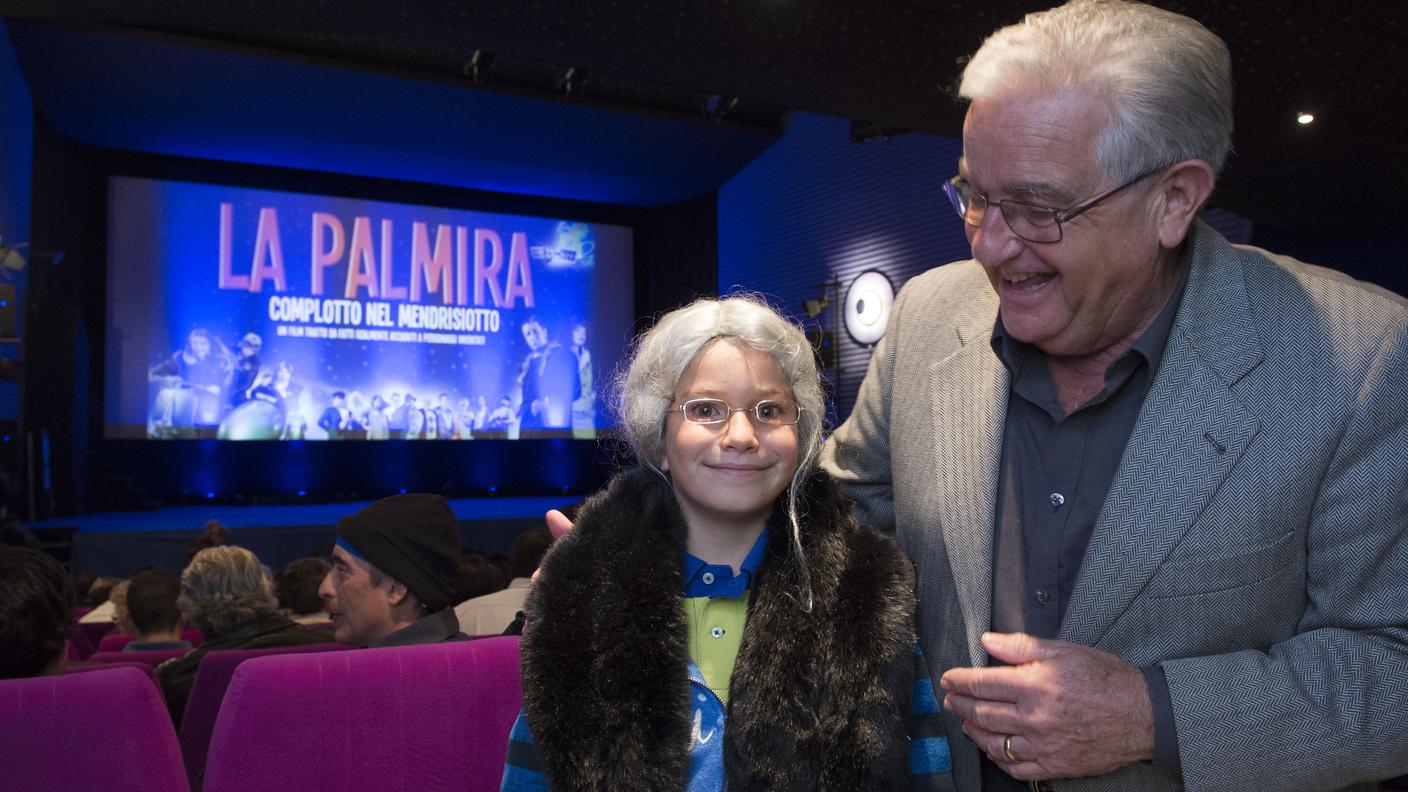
(647, 387)
(1165, 79)
(223, 589)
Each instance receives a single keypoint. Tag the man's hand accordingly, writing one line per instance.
(558, 526)
(1070, 710)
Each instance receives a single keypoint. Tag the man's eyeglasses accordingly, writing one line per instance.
(1032, 222)
(770, 412)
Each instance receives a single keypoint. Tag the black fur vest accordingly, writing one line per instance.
(818, 701)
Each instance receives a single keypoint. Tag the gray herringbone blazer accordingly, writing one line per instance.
(1253, 539)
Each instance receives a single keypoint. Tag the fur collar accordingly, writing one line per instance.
(817, 700)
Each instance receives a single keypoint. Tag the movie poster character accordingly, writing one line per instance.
(190, 384)
(245, 369)
(549, 382)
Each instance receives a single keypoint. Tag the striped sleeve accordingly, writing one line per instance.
(930, 766)
(522, 770)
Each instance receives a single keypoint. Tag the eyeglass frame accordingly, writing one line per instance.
(752, 412)
(1058, 216)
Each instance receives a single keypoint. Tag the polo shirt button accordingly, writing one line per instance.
(708, 578)
(1057, 499)
(717, 632)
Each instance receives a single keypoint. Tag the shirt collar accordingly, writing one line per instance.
(438, 626)
(714, 580)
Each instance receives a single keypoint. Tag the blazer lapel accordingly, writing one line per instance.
(1190, 433)
(970, 401)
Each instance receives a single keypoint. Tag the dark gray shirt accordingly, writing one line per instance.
(1055, 472)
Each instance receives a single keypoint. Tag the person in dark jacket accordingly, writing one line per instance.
(225, 595)
(392, 581)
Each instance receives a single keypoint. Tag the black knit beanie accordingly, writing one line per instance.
(414, 538)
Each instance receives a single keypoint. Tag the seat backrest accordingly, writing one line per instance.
(114, 642)
(432, 717)
(155, 657)
(147, 670)
(93, 632)
(103, 730)
(207, 691)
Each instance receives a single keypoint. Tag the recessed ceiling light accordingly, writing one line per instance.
(1304, 118)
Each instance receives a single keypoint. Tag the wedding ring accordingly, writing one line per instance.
(1007, 749)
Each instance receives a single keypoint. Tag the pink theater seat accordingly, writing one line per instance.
(93, 632)
(208, 690)
(431, 718)
(106, 730)
(116, 642)
(83, 668)
(155, 657)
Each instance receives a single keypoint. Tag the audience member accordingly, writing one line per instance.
(298, 590)
(393, 573)
(213, 535)
(491, 614)
(36, 607)
(82, 582)
(152, 615)
(121, 623)
(477, 576)
(224, 595)
(13, 532)
(99, 599)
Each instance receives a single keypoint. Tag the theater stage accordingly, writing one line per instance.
(115, 543)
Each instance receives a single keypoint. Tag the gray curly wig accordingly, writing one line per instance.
(647, 388)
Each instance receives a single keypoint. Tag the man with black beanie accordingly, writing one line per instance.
(393, 573)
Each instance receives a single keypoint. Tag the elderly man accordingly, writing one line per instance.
(1154, 483)
(393, 573)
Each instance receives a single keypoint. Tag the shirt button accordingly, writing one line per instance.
(717, 632)
(1043, 597)
(1057, 499)
(708, 578)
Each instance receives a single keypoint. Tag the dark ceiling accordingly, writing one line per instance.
(886, 65)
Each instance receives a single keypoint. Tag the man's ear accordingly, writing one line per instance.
(396, 592)
(1184, 188)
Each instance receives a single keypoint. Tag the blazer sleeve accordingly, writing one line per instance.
(1326, 707)
(858, 452)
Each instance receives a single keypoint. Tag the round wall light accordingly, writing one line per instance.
(868, 303)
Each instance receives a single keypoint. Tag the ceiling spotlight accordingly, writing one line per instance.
(1304, 118)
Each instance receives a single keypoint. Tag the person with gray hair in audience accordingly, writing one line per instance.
(225, 595)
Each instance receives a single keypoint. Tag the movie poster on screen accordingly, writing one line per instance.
(286, 316)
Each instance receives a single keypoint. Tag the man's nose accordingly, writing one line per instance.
(993, 240)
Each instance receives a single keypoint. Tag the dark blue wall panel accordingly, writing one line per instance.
(817, 207)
